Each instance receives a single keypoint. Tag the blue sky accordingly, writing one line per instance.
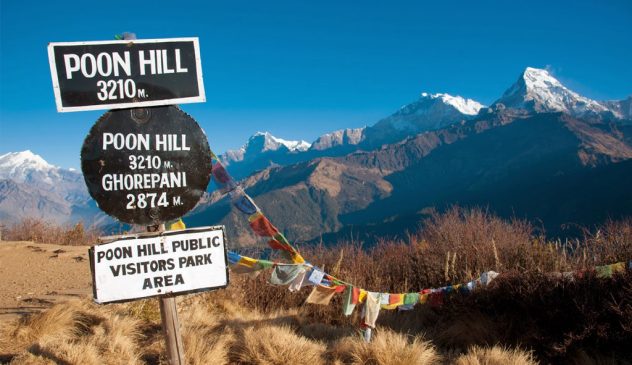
(300, 69)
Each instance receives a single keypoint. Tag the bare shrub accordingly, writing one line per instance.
(41, 231)
(609, 243)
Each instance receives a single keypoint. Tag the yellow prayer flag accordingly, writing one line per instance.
(247, 261)
(297, 258)
(618, 267)
(255, 216)
(362, 296)
(179, 224)
(423, 298)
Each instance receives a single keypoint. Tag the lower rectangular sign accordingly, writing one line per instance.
(173, 262)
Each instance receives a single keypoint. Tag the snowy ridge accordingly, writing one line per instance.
(273, 143)
(465, 106)
(429, 112)
(18, 166)
(262, 142)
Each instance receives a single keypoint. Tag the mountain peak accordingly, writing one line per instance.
(463, 105)
(538, 91)
(30, 168)
(24, 160)
(429, 112)
(341, 137)
(272, 143)
(539, 75)
(262, 142)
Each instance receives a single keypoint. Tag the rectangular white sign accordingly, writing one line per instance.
(173, 262)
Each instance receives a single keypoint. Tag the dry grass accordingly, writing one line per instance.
(496, 356)
(220, 331)
(555, 320)
(76, 332)
(386, 348)
(275, 345)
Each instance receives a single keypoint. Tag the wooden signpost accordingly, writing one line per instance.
(145, 162)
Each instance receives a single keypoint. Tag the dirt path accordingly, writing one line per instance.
(35, 276)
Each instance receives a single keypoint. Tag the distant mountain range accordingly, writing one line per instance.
(429, 112)
(541, 151)
(31, 187)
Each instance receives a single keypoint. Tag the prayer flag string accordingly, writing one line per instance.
(258, 222)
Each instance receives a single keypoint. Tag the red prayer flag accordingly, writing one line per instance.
(355, 295)
(395, 298)
(436, 299)
(263, 227)
(220, 173)
(273, 243)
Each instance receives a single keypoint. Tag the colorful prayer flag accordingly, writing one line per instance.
(355, 295)
(233, 257)
(179, 224)
(297, 283)
(348, 304)
(362, 296)
(247, 261)
(316, 276)
(423, 298)
(220, 174)
(244, 203)
(411, 298)
(436, 298)
(384, 298)
(394, 301)
(262, 226)
(371, 309)
(285, 274)
(320, 295)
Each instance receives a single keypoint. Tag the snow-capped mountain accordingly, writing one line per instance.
(31, 187)
(538, 91)
(518, 160)
(465, 106)
(28, 168)
(342, 137)
(429, 112)
(262, 142)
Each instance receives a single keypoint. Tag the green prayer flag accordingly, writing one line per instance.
(347, 302)
(411, 298)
